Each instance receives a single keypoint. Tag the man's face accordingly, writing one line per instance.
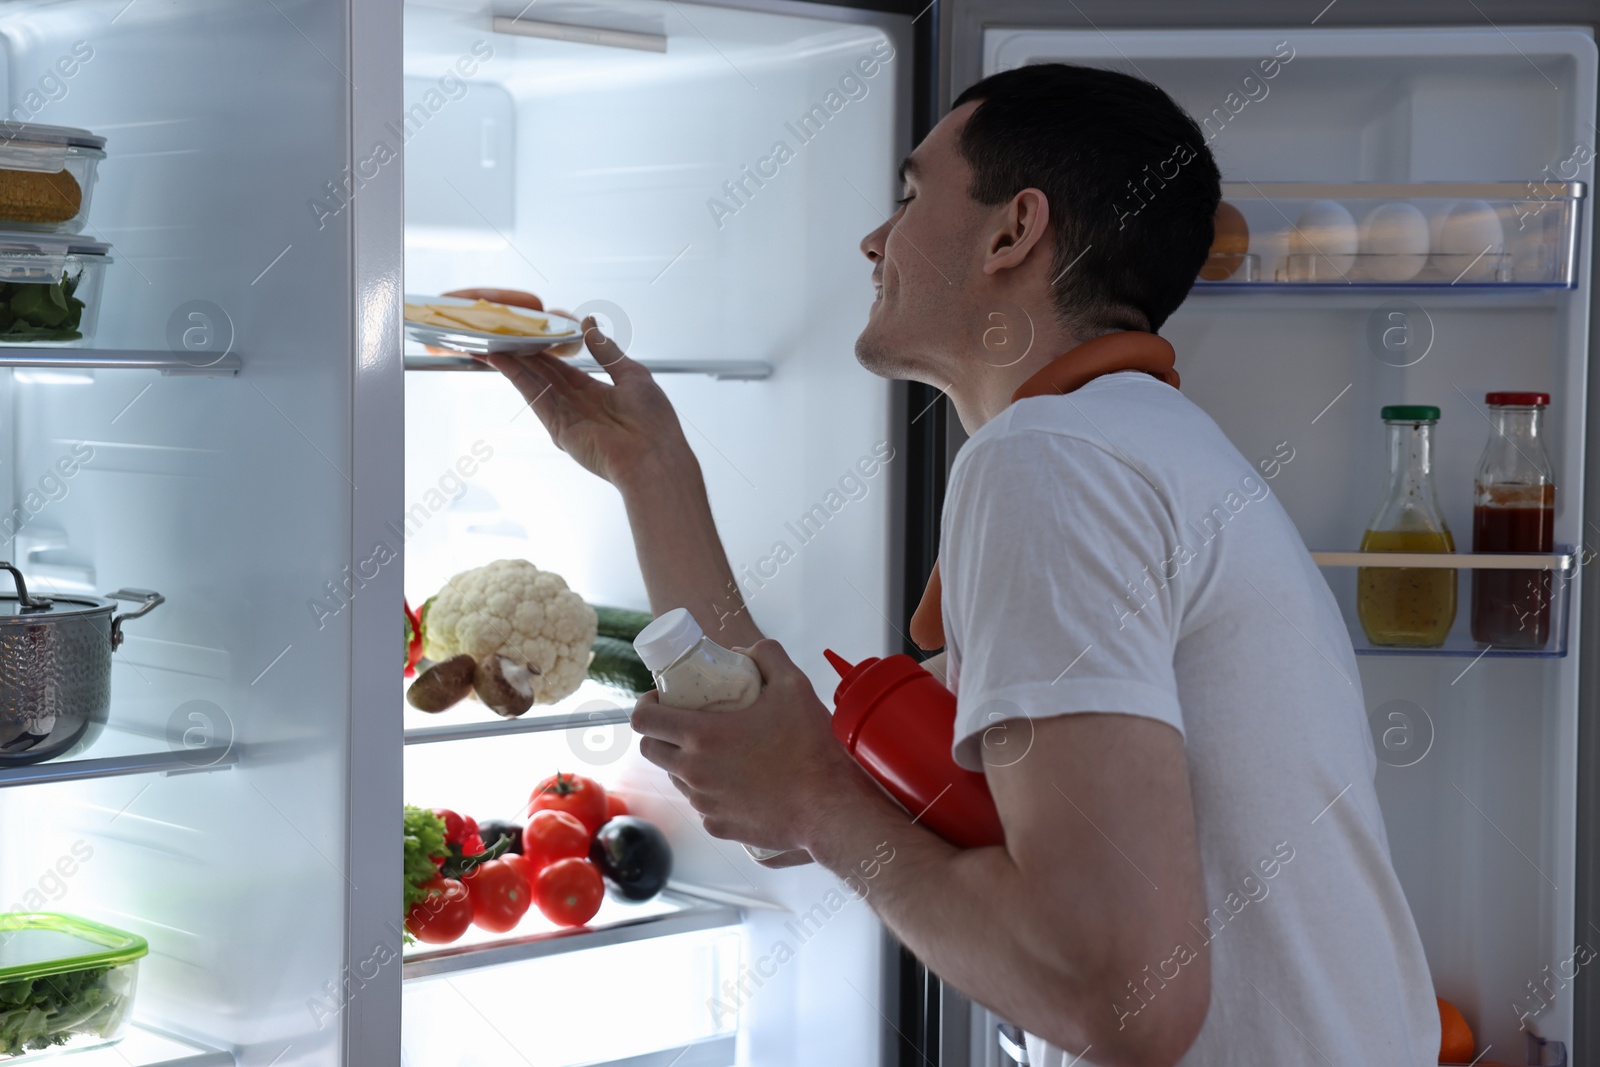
(925, 258)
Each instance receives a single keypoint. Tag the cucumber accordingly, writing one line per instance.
(621, 623)
(616, 664)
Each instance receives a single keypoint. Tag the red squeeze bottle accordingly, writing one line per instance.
(899, 722)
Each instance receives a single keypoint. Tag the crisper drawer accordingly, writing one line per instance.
(617, 994)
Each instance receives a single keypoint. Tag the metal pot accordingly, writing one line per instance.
(55, 668)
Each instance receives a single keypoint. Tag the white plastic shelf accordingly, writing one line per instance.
(670, 912)
(196, 363)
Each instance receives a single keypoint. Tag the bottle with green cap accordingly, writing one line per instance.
(1410, 607)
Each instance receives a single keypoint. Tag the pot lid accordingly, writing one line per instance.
(54, 607)
(22, 604)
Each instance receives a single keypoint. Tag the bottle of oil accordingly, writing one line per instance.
(1411, 607)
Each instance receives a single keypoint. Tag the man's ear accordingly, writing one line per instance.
(1021, 227)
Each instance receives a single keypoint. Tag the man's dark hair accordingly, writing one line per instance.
(1132, 186)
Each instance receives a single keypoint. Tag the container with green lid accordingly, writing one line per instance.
(1408, 607)
(65, 983)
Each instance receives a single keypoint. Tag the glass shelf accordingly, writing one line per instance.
(146, 1047)
(670, 912)
(117, 752)
(225, 364)
(491, 725)
(1553, 571)
(592, 705)
(1424, 236)
(739, 370)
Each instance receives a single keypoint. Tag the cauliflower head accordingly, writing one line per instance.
(513, 609)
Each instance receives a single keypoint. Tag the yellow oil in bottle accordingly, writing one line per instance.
(1410, 607)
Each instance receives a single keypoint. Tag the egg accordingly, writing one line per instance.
(1468, 239)
(1228, 246)
(1326, 238)
(1394, 243)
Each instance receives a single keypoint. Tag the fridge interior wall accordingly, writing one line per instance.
(1481, 829)
(598, 177)
(228, 495)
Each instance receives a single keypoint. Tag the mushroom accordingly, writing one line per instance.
(442, 685)
(506, 686)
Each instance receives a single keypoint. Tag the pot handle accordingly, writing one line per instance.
(28, 603)
(150, 598)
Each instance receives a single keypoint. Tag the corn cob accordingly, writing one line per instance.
(31, 196)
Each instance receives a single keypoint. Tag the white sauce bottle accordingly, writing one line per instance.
(693, 671)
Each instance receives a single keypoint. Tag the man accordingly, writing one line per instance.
(1150, 670)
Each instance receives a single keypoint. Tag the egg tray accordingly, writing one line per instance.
(1428, 234)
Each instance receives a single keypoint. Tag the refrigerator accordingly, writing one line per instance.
(276, 458)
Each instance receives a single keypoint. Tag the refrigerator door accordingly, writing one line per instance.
(699, 178)
(240, 812)
(1478, 759)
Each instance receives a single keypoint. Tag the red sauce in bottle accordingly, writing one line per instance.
(1511, 609)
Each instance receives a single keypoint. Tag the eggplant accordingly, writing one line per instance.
(633, 856)
(494, 829)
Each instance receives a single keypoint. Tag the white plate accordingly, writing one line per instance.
(477, 343)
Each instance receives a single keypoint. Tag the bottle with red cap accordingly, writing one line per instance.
(899, 721)
(1513, 511)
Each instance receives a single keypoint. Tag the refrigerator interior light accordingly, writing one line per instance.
(561, 31)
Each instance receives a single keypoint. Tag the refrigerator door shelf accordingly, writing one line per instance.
(1541, 1053)
(740, 370)
(671, 912)
(1551, 576)
(1385, 235)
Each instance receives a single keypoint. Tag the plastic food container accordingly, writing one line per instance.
(50, 288)
(46, 176)
(65, 983)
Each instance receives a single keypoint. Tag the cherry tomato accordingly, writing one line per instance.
(569, 891)
(500, 895)
(443, 915)
(583, 797)
(553, 835)
(615, 806)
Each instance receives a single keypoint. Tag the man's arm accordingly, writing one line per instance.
(680, 552)
(1070, 930)
(628, 434)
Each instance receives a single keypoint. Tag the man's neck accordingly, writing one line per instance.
(981, 390)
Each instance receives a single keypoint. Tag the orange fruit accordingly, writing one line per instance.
(1456, 1044)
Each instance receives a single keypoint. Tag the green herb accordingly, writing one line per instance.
(41, 311)
(424, 841)
(36, 1013)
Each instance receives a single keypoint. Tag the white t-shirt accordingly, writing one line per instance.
(1111, 551)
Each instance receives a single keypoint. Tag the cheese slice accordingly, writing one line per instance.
(482, 316)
